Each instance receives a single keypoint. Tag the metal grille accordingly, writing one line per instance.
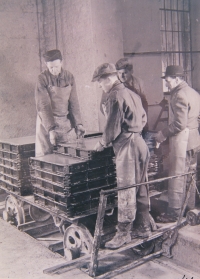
(176, 35)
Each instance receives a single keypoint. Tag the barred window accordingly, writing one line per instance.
(176, 35)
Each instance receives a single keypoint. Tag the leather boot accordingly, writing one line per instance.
(122, 236)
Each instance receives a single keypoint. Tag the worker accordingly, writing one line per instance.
(124, 123)
(125, 75)
(58, 112)
(184, 140)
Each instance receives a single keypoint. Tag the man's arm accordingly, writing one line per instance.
(74, 109)
(114, 121)
(43, 104)
(180, 111)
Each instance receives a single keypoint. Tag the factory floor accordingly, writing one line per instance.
(23, 257)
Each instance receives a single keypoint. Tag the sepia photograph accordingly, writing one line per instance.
(99, 139)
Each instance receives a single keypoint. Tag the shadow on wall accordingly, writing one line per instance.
(18, 113)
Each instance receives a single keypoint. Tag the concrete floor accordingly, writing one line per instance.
(23, 257)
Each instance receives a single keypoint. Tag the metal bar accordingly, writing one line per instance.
(174, 10)
(191, 58)
(159, 52)
(119, 270)
(145, 183)
(55, 24)
(178, 30)
(97, 235)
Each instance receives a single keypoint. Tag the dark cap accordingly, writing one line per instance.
(174, 71)
(123, 63)
(52, 55)
(103, 69)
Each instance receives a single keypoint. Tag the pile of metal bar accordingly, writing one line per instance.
(70, 184)
(14, 167)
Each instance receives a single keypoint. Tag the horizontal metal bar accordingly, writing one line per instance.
(106, 192)
(129, 266)
(159, 52)
(172, 10)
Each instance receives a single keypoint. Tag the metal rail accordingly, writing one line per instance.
(101, 212)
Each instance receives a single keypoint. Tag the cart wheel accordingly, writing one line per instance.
(78, 239)
(71, 254)
(38, 214)
(15, 211)
(144, 249)
(6, 217)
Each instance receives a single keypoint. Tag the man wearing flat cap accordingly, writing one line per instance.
(125, 74)
(125, 120)
(58, 112)
(184, 140)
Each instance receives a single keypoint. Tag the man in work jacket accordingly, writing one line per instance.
(124, 123)
(125, 75)
(184, 140)
(57, 106)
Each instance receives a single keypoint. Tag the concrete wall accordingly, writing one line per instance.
(88, 33)
(19, 66)
(142, 43)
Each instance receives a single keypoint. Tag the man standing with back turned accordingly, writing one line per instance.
(124, 123)
(184, 140)
(57, 106)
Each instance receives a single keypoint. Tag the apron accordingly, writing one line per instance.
(177, 165)
(59, 101)
(132, 157)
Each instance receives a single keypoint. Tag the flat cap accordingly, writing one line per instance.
(123, 63)
(52, 55)
(174, 71)
(103, 69)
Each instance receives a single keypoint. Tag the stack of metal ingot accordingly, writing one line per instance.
(14, 167)
(155, 167)
(72, 181)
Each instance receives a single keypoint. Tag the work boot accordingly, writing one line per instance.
(141, 231)
(166, 218)
(121, 237)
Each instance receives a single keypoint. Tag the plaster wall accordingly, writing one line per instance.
(19, 67)
(142, 43)
(87, 32)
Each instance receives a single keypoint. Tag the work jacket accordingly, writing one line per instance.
(183, 113)
(125, 113)
(43, 99)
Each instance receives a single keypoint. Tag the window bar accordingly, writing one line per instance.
(173, 55)
(178, 32)
(191, 56)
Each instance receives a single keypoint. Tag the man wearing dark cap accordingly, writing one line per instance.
(184, 140)
(125, 75)
(124, 123)
(57, 106)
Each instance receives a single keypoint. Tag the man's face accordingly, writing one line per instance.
(104, 84)
(54, 67)
(171, 82)
(124, 75)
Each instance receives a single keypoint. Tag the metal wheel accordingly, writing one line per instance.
(77, 239)
(14, 211)
(38, 214)
(144, 249)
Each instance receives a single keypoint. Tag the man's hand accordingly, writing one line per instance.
(159, 137)
(52, 137)
(80, 131)
(99, 146)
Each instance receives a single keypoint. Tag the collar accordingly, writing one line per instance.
(181, 85)
(59, 77)
(117, 84)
